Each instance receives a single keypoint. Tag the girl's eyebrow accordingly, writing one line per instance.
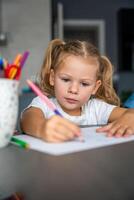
(86, 79)
(82, 79)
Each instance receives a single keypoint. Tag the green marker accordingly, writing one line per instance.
(19, 142)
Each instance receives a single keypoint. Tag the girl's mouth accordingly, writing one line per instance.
(71, 101)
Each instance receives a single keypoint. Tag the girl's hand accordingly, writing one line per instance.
(58, 129)
(122, 127)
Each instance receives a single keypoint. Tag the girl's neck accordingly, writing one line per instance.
(71, 112)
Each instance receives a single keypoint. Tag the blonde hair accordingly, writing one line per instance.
(55, 54)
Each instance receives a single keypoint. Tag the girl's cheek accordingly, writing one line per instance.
(85, 98)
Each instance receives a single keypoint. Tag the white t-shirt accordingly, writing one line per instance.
(95, 111)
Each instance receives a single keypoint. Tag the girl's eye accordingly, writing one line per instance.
(85, 84)
(65, 79)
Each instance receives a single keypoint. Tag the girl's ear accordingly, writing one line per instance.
(98, 84)
(51, 78)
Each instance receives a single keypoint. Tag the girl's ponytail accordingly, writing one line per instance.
(50, 61)
(106, 91)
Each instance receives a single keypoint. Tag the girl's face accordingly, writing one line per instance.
(74, 82)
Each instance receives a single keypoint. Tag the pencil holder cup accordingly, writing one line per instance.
(8, 109)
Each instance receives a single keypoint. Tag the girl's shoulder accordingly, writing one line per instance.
(38, 100)
(99, 103)
(100, 109)
(38, 103)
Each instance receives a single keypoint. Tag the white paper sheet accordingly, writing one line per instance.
(92, 140)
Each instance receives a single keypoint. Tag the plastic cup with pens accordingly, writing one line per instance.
(9, 82)
(8, 109)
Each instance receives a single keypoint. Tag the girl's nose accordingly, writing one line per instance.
(73, 88)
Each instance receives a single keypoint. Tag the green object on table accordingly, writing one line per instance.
(19, 142)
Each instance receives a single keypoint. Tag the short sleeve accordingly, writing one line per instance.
(101, 110)
(38, 103)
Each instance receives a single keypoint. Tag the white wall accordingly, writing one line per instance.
(28, 26)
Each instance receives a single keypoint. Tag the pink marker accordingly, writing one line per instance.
(43, 97)
(47, 101)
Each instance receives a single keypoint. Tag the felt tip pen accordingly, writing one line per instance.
(43, 97)
(24, 58)
(47, 102)
(19, 143)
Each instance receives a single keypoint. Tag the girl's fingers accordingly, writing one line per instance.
(58, 129)
(128, 132)
(113, 130)
(58, 136)
(64, 132)
(66, 127)
(116, 130)
(124, 131)
(53, 136)
(70, 128)
(104, 128)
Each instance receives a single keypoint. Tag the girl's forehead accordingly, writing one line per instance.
(78, 67)
(71, 61)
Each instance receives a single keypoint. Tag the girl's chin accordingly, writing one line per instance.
(71, 110)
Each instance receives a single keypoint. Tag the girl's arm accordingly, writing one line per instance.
(31, 121)
(55, 129)
(121, 123)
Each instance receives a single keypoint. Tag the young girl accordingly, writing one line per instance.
(78, 81)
